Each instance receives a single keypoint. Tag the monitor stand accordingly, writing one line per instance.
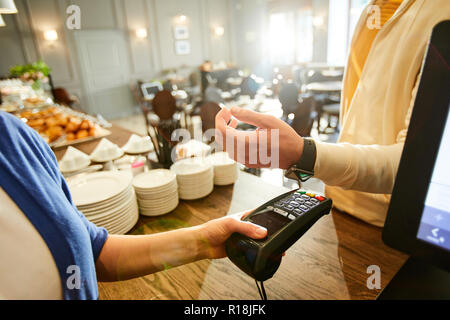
(417, 280)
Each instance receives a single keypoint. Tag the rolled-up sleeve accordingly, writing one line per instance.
(365, 168)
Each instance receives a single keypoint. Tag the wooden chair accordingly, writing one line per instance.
(331, 111)
(327, 105)
(208, 112)
(305, 116)
(61, 96)
(289, 98)
(164, 105)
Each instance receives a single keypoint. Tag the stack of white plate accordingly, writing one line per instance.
(195, 178)
(107, 199)
(157, 192)
(225, 168)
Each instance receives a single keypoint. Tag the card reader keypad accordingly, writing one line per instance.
(296, 204)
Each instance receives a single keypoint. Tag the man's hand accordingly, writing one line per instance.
(288, 147)
(214, 233)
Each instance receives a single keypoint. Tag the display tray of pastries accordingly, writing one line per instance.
(61, 127)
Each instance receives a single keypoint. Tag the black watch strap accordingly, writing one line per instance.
(304, 168)
(308, 158)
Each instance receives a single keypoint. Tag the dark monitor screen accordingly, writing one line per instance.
(152, 90)
(270, 220)
(434, 225)
(418, 218)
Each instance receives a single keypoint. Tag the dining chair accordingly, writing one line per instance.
(289, 98)
(213, 94)
(249, 87)
(327, 104)
(304, 116)
(208, 112)
(61, 96)
(330, 111)
(164, 105)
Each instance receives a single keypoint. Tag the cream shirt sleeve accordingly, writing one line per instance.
(366, 168)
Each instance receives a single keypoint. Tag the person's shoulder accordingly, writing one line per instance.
(14, 132)
(11, 125)
(7, 119)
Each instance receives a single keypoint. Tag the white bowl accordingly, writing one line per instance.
(74, 160)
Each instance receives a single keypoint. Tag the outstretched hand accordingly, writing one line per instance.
(214, 233)
(273, 137)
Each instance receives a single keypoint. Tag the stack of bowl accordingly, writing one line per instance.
(195, 178)
(74, 160)
(156, 191)
(138, 145)
(225, 168)
(106, 151)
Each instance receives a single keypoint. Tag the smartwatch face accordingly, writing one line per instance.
(270, 220)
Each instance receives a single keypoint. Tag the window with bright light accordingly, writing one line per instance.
(291, 37)
(281, 38)
(342, 19)
(305, 36)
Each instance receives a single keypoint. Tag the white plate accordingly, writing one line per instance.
(111, 210)
(154, 179)
(164, 204)
(193, 186)
(109, 203)
(126, 225)
(196, 195)
(117, 217)
(98, 186)
(191, 166)
(158, 201)
(220, 159)
(159, 197)
(158, 212)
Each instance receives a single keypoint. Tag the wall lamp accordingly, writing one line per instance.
(141, 33)
(51, 35)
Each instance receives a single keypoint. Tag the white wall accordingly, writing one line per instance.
(249, 30)
(8, 39)
(146, 58)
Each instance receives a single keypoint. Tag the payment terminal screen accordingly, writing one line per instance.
(270, 220)
(435, 223)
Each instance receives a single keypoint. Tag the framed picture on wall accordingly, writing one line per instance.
(180, 32)
(182, 47)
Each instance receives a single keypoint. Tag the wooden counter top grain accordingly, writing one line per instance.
(329, 262)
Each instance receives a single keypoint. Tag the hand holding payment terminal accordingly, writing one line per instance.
(286, 219)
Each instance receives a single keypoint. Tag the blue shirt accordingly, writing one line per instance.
(29, 174)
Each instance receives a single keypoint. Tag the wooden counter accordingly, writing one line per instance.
(329, 262)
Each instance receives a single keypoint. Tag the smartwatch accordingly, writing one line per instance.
(304, 168)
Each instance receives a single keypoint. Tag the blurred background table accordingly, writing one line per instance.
(325, 87)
